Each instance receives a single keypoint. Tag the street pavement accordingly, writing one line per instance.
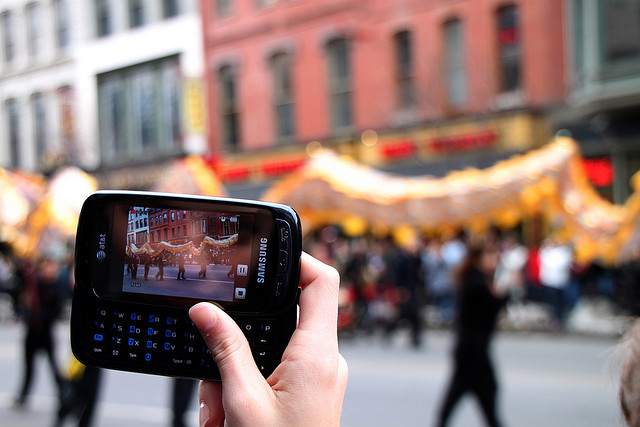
(545, 380)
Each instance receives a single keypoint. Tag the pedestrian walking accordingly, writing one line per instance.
(160, 263)
(78, 393)
(181, 269)
(409, 281)
(182, 392)
(39, 309)
(477, 312)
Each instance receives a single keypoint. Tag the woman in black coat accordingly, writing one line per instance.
(477, 311)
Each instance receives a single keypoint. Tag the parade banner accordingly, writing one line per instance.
(189, 248)
(550, 182)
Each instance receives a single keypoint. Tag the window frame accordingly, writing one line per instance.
(281, 66)
(455, 63)
(339, 85)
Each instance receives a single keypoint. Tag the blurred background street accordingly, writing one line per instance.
(407, 134)
(546, 379)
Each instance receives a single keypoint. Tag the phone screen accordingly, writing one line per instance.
(188, 253)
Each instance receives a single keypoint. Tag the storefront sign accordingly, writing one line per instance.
(398, 150)
(468, 142)
(599, 171)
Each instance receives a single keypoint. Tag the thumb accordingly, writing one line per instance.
(227, 344)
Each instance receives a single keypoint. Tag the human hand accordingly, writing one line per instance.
(306, 389)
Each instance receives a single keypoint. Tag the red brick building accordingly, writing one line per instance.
(384, 81)
(182, 226)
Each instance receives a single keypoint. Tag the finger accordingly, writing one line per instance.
(228, 345)
(319, 298)
(211, 410)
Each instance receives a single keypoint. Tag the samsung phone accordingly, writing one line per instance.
(143, 259)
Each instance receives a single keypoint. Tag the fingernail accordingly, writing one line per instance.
(204, 413)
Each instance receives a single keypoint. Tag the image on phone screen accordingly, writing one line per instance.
(183, 253)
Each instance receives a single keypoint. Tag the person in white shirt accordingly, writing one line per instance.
(556, 260)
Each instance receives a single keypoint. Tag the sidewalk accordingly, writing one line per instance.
(591, 317)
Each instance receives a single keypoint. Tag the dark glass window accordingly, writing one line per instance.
(38, 111)
(622, 29)
(223, 8)
(139, 114)
(13, 127)
(8, 36)
(170, 8)
(63, 31)
(136, 13)
(404, 70)
(228, 107)
(455, 70)
(282, 95)
(339, 84)
(104, 18)
(33, 29)
(509, 51)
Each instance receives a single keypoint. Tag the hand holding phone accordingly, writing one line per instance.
(143, 259)
(307, 388)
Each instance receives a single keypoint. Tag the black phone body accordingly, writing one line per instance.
(143, 259)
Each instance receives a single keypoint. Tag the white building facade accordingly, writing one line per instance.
(112, 83)
(37, 81)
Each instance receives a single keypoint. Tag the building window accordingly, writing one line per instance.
(104, 18)
(229, 114)
(8, 37)
(404, 69)
(223, 8)
(63, 31)
(455, 71)
(65, 100)
(33, 29)
(509, 52)
(622, 30)
(13, 128)
(170, 8)
(171, 102)
(136, 13)
(133, 113)
(38, 111)
(339, 84)
(282, 96)
(265, 3)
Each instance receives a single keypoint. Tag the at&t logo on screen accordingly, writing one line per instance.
(102, 244)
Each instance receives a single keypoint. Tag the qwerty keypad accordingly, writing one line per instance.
(156, 337)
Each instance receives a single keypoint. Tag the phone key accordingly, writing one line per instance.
(263, 341)
(283, 262)
(266, 327)
(262, 354)
(98, 350)
(285, 234)
(265, 368)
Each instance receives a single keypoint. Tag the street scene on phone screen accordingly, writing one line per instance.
(183, 253)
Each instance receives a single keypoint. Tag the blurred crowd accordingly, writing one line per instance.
(39, 293)
(385, 282)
